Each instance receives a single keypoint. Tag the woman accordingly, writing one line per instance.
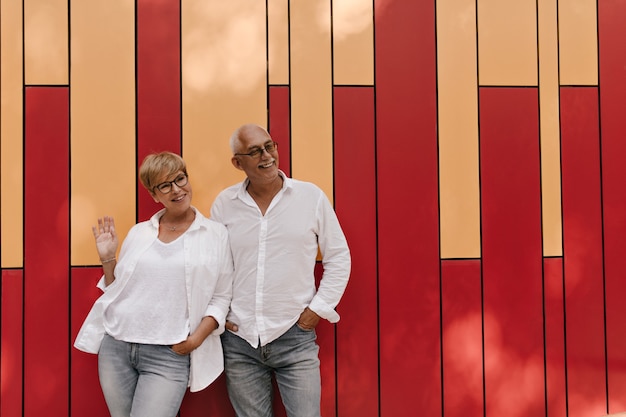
(156, 327)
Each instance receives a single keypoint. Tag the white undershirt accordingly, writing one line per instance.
(152, 308)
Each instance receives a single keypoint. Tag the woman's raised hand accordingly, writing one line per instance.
(106, 238)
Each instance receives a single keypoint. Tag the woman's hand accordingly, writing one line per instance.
(106, 238)
(187, 346)
(205, 328)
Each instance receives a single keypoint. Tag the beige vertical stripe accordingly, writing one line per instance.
(353, 42)
(507, 42)
(549, 129)
(11, 132)
(578, 42)
(311, 93)
(458, 129)
(103, 171)
(46, 42)
(224, 83)
(278, 41)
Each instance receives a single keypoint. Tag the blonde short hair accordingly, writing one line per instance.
(157, 165)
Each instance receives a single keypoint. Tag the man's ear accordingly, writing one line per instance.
(235, 161)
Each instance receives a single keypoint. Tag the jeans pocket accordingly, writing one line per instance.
(303, 329)
(173, 352)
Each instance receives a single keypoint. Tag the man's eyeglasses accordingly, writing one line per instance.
(269, 148)
(166, 187)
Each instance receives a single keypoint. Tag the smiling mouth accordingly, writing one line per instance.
(179, 198)
(267, 165)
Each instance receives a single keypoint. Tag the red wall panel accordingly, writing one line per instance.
(279, 124)
(158, 86)
(355, 203)
(11, 305)
(46, 251)
(582, 251)
(556, 387)
(328, 368)
(461, 299)
(511, 251)
(612, 67)
(85, 392)
(408, 224)
(211, 401)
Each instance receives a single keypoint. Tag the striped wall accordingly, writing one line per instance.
(473, 150)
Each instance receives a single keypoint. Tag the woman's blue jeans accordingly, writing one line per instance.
(142, 380)
(292, 358)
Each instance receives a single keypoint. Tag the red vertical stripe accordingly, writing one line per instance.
(11, 343)
(462, 338)
(612, 59)
(408, 219)
(328, 368)
(582, 251)
(211, 401)
(555, 337)
(85, 393)
(279, 124)
(46, 252)
(512, 254)
(355, 203)
(158, 85)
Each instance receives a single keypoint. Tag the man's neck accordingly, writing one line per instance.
(266, 189)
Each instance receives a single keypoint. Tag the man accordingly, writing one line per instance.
(276, 225)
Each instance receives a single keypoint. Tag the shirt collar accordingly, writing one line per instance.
(197, 222)
(241, 191)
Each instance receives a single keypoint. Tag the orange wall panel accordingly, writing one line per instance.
(311, 94)
(578, 42)
(507, 42)
(353, 42)
(549, 128)
(103, 124)
(224, 84)
(46, 42)
(278, 41)
(457, 100)
(11, 133)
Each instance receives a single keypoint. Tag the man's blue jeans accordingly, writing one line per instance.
(293, 358)
(142, 380)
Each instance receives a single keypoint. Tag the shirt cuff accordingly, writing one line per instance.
(219, 317)
(324, 310)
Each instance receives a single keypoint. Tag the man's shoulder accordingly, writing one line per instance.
(229, 192)
(301, 185)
